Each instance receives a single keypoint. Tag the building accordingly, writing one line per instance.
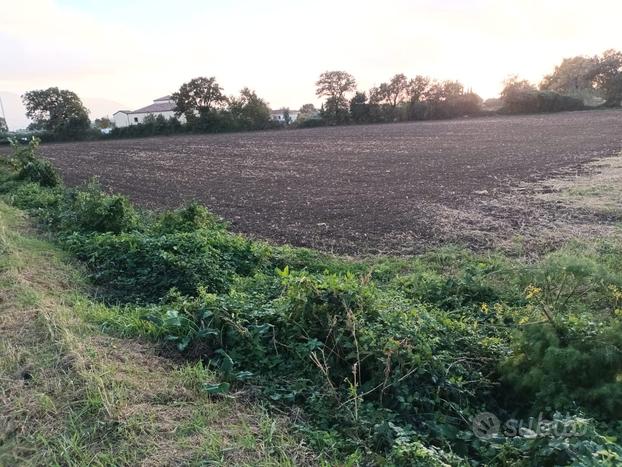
(279, 115)
(164, 106)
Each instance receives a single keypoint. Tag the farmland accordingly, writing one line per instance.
(360, 189)
(387, 360)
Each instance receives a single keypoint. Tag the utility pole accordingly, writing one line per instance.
(2, 110)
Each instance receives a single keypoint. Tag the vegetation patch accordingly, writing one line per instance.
(441, 359)
(73, 396)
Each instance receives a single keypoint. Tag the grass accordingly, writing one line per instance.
(598, 191)
(72, 395)
(382, 360)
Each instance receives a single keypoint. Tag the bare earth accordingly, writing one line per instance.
(396, 188)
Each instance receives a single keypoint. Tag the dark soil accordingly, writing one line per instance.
(358, 189)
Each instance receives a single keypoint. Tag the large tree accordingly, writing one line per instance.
(56, 110)
(359, 109)
(379, 94)
(574, 76)
(397, 90)
(588, 77)
(392, 93)
(418, 87)
(518, 95)
(3, 126)
(514, 85)
(198, 96)
(440, 91)
(608, 80)
(249, 110)
(335, 85)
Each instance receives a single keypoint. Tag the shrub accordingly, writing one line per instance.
(89, 209)
(540, 102)
(139, 267)
(41, 172)
(32, 169)
(352, 356)
(579, 369)
(192, 217)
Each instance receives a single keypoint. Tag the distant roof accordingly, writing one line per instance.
(156, 107)
(161, 104)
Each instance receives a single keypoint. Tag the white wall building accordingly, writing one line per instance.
(164, 106)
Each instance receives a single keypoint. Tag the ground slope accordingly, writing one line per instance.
(70, 395)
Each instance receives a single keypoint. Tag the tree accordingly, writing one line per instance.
(608, 79)
(520, 96)
(307, 112)
(379, 95)
(103, 123)
(418, 87)
(249, 111)
(287, 118)
(513, 87)
(335, 85)
(387, 97)
(397, 90)
(574, 77)
(452, 89)
(56, 110)
(359, 109)
(198, 97)
(3, 126)
(588, 77)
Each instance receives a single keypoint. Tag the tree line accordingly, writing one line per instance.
(398, 99)
(577, 83)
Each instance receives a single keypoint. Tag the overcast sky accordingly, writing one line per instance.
(134, 51)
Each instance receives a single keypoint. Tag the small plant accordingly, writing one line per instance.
(89, 209)
(32, 169)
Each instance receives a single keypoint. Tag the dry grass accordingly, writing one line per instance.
(538, 217)
(70, 395)
(598, 190)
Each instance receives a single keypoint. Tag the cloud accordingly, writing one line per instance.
(134, 51)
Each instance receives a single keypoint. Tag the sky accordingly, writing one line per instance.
(128, 52)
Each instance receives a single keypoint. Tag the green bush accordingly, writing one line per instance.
(540, 102)
(352, 356)
(32, 169)
(192, 217)
(88, 209)
(582, 368)
(135, 266)
(31, 196)
(41, 172)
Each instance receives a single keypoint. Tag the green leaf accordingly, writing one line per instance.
(243, 375)
(152, 319)
(226, 364)
(221, 388)
(183, 343)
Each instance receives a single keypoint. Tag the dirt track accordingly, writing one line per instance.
(359, 189)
